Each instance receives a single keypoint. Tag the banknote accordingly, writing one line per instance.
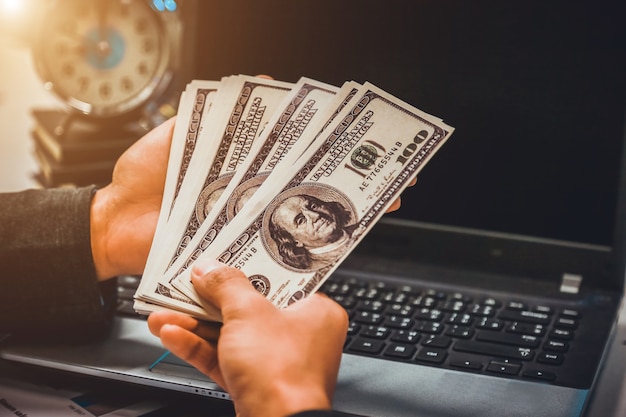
(194, 104)
(243, 105)
(309, 105)
(246, 104)
(181, 151)
(307, 217)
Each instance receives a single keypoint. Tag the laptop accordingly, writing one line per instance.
(495, 289)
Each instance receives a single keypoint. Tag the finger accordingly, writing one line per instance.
(324, 309)
(165, 129)
(227, 289)
(191, 348)
(158, 319)
(267, 77)
(395, 205)
(398, 202)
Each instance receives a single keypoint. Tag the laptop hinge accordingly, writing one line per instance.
(570, 283)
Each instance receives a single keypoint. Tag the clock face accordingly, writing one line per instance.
(104, 58)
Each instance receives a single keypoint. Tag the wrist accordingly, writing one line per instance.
(100, 218)
(282, 400)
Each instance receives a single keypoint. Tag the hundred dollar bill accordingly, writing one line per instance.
(305, 219)
(202, 94)
(194, 104)
(250, 102)
(242, 107)
(309, 106)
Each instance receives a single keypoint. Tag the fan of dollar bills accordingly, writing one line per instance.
(280, 180)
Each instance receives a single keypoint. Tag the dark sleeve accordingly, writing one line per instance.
(48, 281)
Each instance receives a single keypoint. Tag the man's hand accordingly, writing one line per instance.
(124, 214)
(272, 362)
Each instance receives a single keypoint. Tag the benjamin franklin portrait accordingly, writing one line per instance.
(310, 227)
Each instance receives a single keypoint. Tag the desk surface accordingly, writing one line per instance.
(21, 90)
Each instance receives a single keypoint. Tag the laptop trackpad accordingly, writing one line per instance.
(381, 388)
(169, 364)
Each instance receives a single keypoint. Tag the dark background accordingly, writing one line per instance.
(535, 91)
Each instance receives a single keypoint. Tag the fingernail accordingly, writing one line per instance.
(204, 266)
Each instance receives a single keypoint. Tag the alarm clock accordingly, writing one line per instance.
(106, 59)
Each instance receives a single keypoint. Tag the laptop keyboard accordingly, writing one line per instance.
(476, 333)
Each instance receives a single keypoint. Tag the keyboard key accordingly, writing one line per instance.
(502, 367)
(400, 351)
(550, 358)
(367, 346)
(407, 289)
(562, 334)
(366, 317)
(462, 319)
(423, 301)
(375, 332)
(482, 310)
(569, 313)
(488, 301)
(405, 336)
(526, 328)
(337, 289)
(566, 323)
(556, 346)
(439, 295)
(398, 322)
(467, 364)
(366, 293)
(543, 309)
(464, 332)
(459, 296)
(539, 374)
(525, 316)
(431, 355)
(437, 341)
(429, 314)
(493, 349)
(453, 306)
(490, 324)
(516, 305)
(431, 327)
(513, 339)
(400, 310)
(370, 305)
(399, 298)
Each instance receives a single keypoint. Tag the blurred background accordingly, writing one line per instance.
(20, 90)
(53, 134)
(503, 93)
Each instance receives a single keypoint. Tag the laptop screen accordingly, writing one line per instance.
(535, 91)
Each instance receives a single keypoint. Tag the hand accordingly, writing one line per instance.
(272, 362)
(124, 214)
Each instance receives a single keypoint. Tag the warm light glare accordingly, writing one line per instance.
(12, 7)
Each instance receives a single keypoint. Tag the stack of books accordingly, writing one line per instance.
(78, 153)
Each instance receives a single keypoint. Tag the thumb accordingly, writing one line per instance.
(226, 289)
